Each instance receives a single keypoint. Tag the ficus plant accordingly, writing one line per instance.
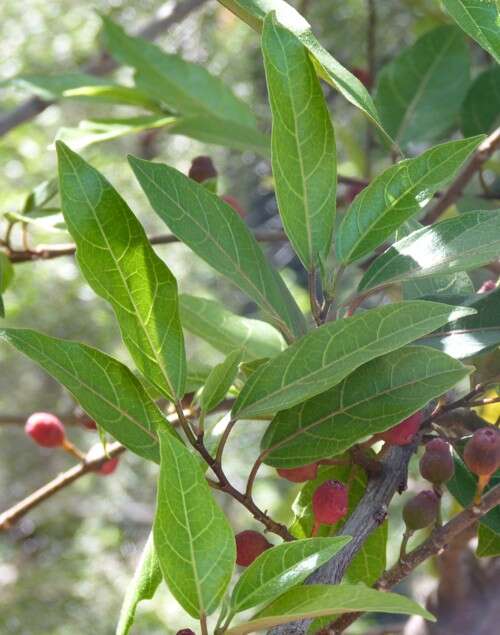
(346, 394)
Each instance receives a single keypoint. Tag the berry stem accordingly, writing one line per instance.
(404, 543)
(70, 448)
(482, 482)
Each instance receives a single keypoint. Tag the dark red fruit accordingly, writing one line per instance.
(436, 465)
(330, 502)
(89, 424)
(403, 433)
(363, 76)
(45, 429)
(185, 631)
(202, 169)
(299, 474)
(421, 510)
(249, 545)
(108, 467)
(230, 200)
(487, 286)
(352, 191)
(482, 451)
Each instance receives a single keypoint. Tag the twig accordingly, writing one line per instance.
(480, 156)
(48, 252)
(102, 64)
(12, 515)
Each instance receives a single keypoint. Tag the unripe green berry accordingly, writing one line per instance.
(482, 451)
(421, 510)
(436, 465)
(299, 474)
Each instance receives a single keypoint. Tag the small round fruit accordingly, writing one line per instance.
(403, 433)
(185, 631)
(108, 467)
(330, 502)
(249, 545)
(436, 464)
(352, 191)
(363, 75)
(90, 424)
(235, 204)
(299, 474)
(421, 510)
(487, 286)
(482, 451)
(202, 169)
(45, 429)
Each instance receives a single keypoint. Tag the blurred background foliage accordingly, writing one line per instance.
(64, 568)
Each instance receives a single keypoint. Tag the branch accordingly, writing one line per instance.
(12, 515)
(437, 541)
(49, 252)
(480, 156)
(102, 64)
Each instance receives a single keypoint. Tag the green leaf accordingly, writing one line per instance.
(374, 398)
(281, 568)
(106, 389)
(193, 539)
(326, 355)
(119, 263)
(396, 195)
(210, 227)
(39, 196)
(146, 580)
(473, 334)
(420, 92)
(316, 600)
(219, 382)
(6, 272)
(98, 130)
(457, 244)
(489, 543)
(481, 108)
(458, 283)
(328, 68)
(462, 486)
(480, 19)
(54, 86)
(226, 331)
(303, 144)
(113, 93)
(370, 561)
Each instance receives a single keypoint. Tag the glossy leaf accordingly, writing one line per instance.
(54, 86)
(119, 263)
(316, 600)
(6, 272)
(420, 92)
(212, 229)
(396, 195)
(473, 334)
(106, 389)
(113, 93)
(488, 543)
(372, 399)
(480, 20)
(146, 580)
(193, 539)
(226, 331)
(481, 108)
(219, 382)
(326, 355)
(281, 568)
(458, 244)
(328, 68)
(303, 144)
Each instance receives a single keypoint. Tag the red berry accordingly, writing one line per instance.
(352, 191)
(403, 433)
(364, 76)
(45, 429)
(202, 169)
(489, 285)
(89, 424)
(330, 502)
(185, 631)
(421, 510)
(482, 451)
(249, 545)
(436, 465)
(299, 474)
(230, 200)
(108, 467)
